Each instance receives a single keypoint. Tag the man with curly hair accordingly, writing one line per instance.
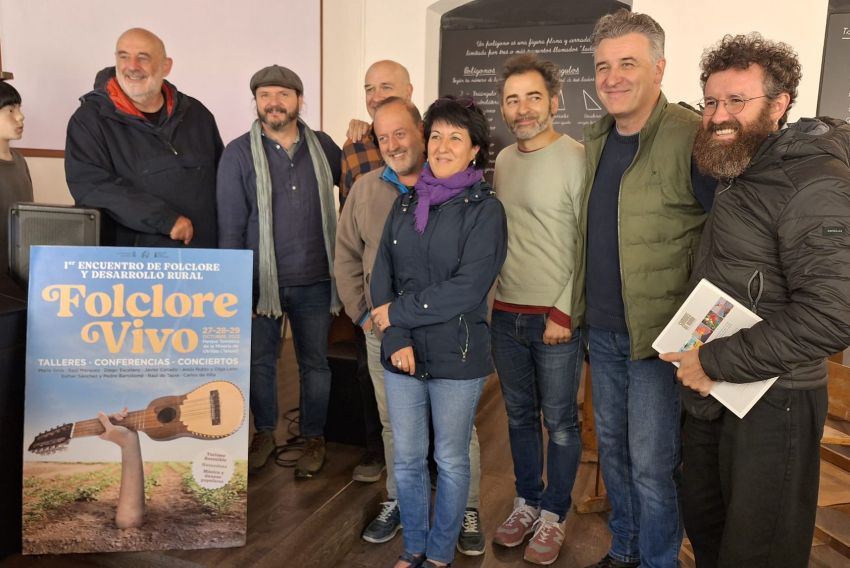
(777, 240)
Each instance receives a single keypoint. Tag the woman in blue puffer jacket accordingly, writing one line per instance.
(442, 248)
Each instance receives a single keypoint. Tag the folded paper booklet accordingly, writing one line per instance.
(707, 314)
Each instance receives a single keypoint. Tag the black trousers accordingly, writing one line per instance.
(371, 419)
(750, 486)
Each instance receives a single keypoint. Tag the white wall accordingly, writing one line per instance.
(358, 32)
(48, 181)
(55, 47)
(800, 24)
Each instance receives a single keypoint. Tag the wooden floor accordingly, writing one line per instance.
(317, 523)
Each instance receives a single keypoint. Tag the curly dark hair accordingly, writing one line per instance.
(782, 71)
(525, 62)
(464, 113)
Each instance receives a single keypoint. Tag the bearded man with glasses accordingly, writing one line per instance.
(777, 240)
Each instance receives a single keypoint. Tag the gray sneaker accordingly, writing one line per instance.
(312, 458)
(471, 539)
(262, 447)
(369, 469)
(385, 526)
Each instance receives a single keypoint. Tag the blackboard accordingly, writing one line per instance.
(834, 97)
(471, 65)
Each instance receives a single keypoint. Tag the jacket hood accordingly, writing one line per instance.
(807, 137)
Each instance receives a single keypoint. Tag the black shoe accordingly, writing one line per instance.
(429, 564)
(471, 539)
(609, 562)
(385, 526)
(370, 468)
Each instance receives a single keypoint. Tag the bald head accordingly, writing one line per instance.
(140, 67)
(386, 79)
(136, 35)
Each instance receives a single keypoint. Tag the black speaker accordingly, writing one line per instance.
(41, 224)
(345, 424)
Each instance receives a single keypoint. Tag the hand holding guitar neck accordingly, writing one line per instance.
(130, 510)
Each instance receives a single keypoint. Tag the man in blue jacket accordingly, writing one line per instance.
(144, 153)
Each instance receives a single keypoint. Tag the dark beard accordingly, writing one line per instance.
(277, 125)
(727, 160)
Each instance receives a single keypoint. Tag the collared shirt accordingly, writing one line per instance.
(358, 158)
(390, 176)
(296, 207)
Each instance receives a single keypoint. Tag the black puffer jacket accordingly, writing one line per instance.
(778, 241)
(438, 282)
(144, 176)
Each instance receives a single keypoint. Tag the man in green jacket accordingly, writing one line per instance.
(641, 224)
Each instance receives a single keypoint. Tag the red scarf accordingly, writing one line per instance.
(123, 103)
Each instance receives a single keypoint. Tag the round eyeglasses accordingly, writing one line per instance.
(733, 105)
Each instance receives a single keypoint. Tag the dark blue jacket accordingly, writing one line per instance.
(438, 282)
(144, 176)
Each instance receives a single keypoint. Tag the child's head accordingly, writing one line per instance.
(11, 117)
(8, 95)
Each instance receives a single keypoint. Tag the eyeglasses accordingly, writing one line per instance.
(733, 105)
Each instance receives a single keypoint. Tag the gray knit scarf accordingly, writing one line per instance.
(269, 301)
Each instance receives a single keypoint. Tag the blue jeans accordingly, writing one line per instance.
(637, 410)
(376, 370)
(538, 378)
(451, 404)
(308, 311)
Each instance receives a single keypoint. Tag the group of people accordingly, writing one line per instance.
(589, 248)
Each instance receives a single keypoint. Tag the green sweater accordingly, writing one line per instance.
(660, 220)
(542, 192)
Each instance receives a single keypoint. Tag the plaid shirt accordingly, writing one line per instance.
(358, 158)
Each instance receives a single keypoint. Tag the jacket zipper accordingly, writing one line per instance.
(757, 277)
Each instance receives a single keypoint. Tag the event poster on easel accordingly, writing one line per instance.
(136, 415)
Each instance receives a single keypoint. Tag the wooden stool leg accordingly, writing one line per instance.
(598, 501)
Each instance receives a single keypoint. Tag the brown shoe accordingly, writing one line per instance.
(262, 447)
(312, 458)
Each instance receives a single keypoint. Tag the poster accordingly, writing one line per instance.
(164, 334)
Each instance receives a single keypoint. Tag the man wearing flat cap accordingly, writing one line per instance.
(275, 197)
(144, 153)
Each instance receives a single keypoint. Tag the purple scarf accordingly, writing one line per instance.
(436, 191)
